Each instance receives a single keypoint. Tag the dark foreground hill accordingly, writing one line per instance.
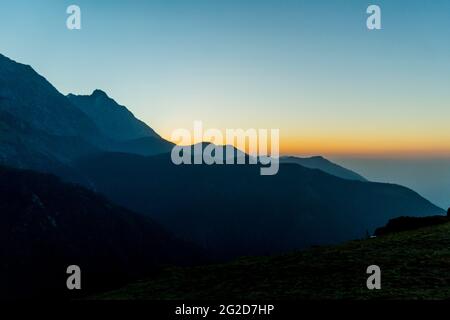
(233, 210)
(46, 225)
(414, 265)
(410, 223)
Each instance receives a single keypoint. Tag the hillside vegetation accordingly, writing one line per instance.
(414, 265)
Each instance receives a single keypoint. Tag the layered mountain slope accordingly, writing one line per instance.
(232, 210)
(41, 129)
(23, 146)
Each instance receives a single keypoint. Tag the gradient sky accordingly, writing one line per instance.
(310, 68)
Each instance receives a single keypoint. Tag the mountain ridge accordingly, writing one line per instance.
(41, 129)
(113, 119)
(30, 96)
(321, 163)
(251, 214)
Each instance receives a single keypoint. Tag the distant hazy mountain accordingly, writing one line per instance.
(325, 165)
(232, 210)
(430, 176)
(46, 225)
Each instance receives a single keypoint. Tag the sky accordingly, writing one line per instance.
(309, 68)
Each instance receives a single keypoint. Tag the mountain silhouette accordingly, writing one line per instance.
(228, 210)
(325, 165)
(232, 210)
(41, 129)
(128, 134)
(47, 225)
(113, 120)
(30, 97)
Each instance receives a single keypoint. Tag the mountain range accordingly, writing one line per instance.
(232, 210)
(121, 200)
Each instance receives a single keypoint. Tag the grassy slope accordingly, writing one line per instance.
(415, 265)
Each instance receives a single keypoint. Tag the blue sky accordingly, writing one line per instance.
(310, 68)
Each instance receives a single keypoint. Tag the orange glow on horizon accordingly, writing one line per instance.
(372, 147)
(366, 147)
(358, 141)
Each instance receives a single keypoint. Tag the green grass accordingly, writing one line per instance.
(414, 265)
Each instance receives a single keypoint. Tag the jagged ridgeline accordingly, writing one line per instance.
(42, 129)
